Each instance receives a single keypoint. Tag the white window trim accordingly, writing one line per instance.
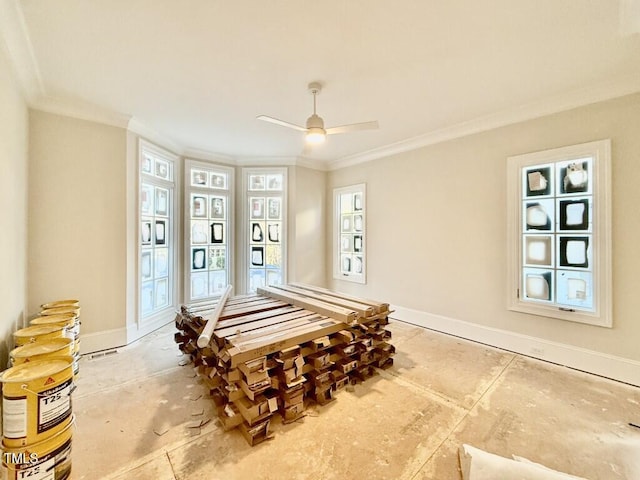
(243, 231)
(337, 274)
(160, 316)
(602, 283)
(231, 238)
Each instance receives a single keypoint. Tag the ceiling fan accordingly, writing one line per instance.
(315, 131)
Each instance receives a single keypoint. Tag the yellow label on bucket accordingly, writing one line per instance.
(49, 459)
(36, 400)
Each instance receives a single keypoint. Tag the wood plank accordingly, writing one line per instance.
(262, 333)
(242, 298)
(381, 306)
(323, 308)
(212, 320)
(271, 345)
(237, 321)
(200, 307)
(272, 320)
(233, 313)
(361, 309)
(252, 305)
(210, 305)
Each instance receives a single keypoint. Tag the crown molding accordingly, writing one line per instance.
(197, 154)
(141, 129)
(265, 161)
(81, 111)
(619, 87)
(15, 40)
(321, 165)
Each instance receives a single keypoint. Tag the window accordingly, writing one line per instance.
(560, 234)
(156, 238)
(209, 238)
(349, 233)
(265, 226)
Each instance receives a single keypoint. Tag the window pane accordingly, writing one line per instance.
(156, 227)
(265, 204)
(208, 194)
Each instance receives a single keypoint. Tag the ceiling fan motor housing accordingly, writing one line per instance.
(314, 121)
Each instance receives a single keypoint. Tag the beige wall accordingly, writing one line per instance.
(14, 120)
(307, 202)
(436, 226)
(77, 219)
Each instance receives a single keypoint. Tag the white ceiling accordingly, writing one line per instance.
(197, 72)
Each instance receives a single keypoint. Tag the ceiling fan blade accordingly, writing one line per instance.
(281, 123)
(353, 127)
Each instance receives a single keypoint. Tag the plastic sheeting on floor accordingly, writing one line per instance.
(477, 464)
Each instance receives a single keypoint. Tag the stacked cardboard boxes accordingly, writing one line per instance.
(273, 353)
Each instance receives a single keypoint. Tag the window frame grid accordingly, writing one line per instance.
(229, 217)
(152, 178)
(244, 263)
(338, 274)
(598, 232)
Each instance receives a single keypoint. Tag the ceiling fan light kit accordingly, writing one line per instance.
(315, 132)
(315, 135)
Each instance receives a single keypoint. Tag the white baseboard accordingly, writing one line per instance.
(136, 331)
(602, 364)
(105, 340)
(119, 337)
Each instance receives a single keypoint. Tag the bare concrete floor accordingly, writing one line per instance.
(136, 412)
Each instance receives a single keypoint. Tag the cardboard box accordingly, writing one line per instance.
(293, 375)
(324, 396)
(364, 372)
(320, 343)
(234, 375)
(385, 349)
(346, 350)
(381, 336)
(219, 400)
(255, 365)
(320, 379)
(319, 360)
(293, 395)
(212, 383)
(232, 391)
(346, 365)
(365, 355)
(230, 416)
(255, 434)
(339, 379)
(385, 362)
(256, 379)
(345, 336)
(293, 412)
(254, 411)
(252, 390)
(287, 358)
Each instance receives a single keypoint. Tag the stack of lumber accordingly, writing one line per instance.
(275, 352)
